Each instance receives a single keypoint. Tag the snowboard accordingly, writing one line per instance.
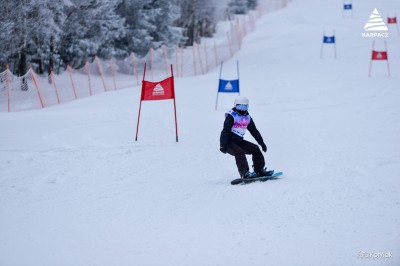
(261, 179)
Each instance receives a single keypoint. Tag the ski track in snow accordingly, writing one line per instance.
(76, 189)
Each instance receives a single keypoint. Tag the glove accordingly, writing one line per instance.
(223, 150)
(264, 147)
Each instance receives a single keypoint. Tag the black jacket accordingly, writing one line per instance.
(227, 136)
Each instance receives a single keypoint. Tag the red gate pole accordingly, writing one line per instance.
(370, 62)
(387, 59)
(176, 120)
(140, 105)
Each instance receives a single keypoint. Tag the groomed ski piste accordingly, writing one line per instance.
(76, 189)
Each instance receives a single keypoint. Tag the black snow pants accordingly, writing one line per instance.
(239, 150)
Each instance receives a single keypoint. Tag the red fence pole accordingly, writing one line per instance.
(113, 72)
(37, 88)
(387, 60)
(89, 81)
(216, 54)
(151, 63)
(230, 44)
(55, 85)
(165, 60)
(206, 56)
(8, 89)
(177, 60)
(194, 60)
(370, 63)
(72, 81)
(200, 59)
(101, 72)
(134, 68)
(182, 59)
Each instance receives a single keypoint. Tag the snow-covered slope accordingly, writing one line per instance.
(76, 189)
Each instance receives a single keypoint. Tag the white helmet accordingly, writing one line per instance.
(241, 100)
(241, 105)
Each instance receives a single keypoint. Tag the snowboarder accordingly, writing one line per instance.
(237, 120)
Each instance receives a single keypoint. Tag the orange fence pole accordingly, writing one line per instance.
(215, 54)
(151, 63)
(113, 72)
(230, 44)
(8, 89)
(72, 81)
(37, 87)
(89, 81)
(206, 56)
(165, 60)
(134, 68)
(200, 59)
(101, 72)
(194, 61)
(55, 85)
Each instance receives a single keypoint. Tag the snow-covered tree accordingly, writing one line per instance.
(90, 29)
(198, 18)
(52, 33)
(238, 6)
(163, 14)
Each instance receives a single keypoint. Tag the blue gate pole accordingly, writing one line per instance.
(237, 63)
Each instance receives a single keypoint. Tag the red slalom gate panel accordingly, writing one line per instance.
(377, 55)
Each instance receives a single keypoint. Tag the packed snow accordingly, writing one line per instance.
(76, 189)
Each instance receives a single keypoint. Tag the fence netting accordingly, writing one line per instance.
(33, 91)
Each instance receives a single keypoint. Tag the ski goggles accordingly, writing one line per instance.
(241, 107)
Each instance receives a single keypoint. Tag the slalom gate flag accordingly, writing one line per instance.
(228, 86)
(347, 6)
(392, 20)
(329, 39)
(152, 91)
(380, 56)
(376, 55)
(162, 90)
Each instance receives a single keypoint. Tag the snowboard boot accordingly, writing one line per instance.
(247, 175)
(264, 172)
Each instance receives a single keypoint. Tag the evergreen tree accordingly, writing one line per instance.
(90, 29)
(198, 18)
(163, 14)
(238, 6)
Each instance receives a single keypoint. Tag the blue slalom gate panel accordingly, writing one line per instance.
(329, 39)
(228, 86)
(348, 6)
